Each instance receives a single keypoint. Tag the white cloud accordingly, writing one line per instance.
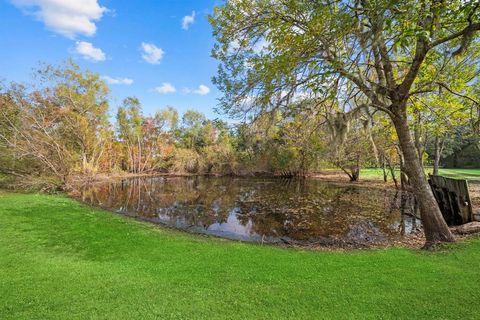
(166, 88)
(151, 53)
(125, 81)
(89, 52)
(202, 90)
(188, 20)
(66, 17)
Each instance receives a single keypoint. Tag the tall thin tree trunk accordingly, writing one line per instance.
(374, 146)
(384, 169)
(403, 175)
(139, 155)
(419, 143)
(439, 142)
(392, 172)
(84, 163)
(436, 230)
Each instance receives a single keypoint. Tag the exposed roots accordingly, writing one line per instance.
(435, 244)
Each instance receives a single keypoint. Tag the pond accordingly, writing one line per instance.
(263, 210)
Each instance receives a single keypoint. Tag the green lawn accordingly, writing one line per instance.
(468, 174)
(62, 260)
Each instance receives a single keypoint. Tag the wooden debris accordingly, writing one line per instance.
(453, 199)
(468, 228)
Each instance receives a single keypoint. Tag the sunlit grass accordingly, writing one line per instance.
(468, 174)
(62, 260)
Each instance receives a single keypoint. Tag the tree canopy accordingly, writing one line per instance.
(360, 54)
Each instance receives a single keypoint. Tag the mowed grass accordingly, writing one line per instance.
(468, 174)
(62, 260)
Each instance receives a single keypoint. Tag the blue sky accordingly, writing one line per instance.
(157, 50)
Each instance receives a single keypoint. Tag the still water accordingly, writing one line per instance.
(264, 210)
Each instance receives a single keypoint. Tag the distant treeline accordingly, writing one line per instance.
(58, 128)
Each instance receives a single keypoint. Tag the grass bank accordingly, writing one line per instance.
(468, 174)
(62, 260)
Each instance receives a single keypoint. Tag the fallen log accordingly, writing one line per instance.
(467, 228)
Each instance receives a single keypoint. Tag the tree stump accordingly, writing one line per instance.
(453, 199)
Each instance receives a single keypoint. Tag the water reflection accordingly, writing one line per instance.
(261, 210)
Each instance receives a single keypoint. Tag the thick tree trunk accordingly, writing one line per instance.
(435, 228)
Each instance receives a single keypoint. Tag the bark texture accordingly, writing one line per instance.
(435, 227)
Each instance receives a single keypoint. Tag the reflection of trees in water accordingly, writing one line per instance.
(409, 212)
(295, 208)
(187, 199)
(322, 210)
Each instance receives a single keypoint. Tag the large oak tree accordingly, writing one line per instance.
(365, 53)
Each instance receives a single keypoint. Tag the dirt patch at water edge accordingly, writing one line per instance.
(341, 178)
(412, 241)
